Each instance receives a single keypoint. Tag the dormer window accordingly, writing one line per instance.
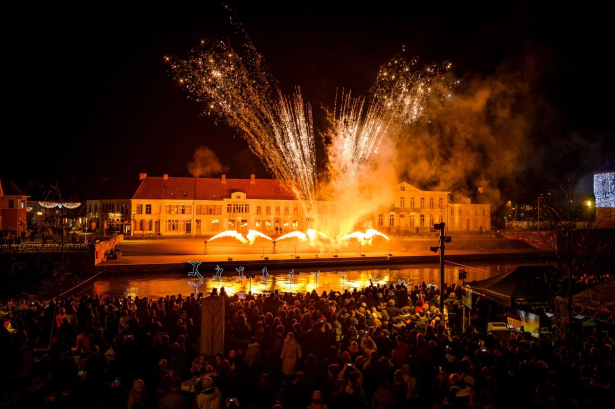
(402, 188)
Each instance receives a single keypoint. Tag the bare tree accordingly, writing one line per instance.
(572, 241)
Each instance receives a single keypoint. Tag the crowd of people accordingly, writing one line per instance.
(376, 347)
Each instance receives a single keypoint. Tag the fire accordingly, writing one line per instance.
(253, 234)
(230, 233)
(364, 238)
(300, 235)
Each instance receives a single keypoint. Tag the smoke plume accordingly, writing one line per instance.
(478, 136)
(205, 163)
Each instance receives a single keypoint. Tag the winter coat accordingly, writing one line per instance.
(290, 354)
(253, 354)
(209, 398)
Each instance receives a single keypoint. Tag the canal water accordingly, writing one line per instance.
(162, 284)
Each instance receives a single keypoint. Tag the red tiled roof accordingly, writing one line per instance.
(211, 189)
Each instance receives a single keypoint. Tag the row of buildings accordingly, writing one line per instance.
(185, 206)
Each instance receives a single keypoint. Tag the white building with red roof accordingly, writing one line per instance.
(181, 206)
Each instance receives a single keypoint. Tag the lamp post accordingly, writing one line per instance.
(589, 205)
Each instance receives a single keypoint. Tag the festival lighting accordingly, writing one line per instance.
(604, 189)
(52, 204)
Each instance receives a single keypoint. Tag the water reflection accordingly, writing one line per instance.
(161, 284)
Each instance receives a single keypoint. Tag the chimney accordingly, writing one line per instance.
(165, 176)
(223, 178)
(142, 176)
(252, 179)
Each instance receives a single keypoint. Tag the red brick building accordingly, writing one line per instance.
(13, 207)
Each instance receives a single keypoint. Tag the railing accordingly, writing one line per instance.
(43, 246)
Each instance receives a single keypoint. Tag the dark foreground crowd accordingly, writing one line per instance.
(378, 347)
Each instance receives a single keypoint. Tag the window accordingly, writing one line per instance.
(295, 225)
(148, 209)
(22, 203)
(286, 211)
(402, 202)
(411, 202)
(214, 225)
(277, 210)
(188, 226)
(411, 220)
(11, 203)
(422, 220)
(259, 210)
(268, 210)
(171, 225)
(484, 223)
(460, 211)
(392, 220)
(467, 211)
(476, 223)
(380, 223)
(484, 210)
(441, 203)
(402, 189)
(139, 209)
(431, 220)
(441, 218)
(295, 211)
(267, 225)
(422, 202)
(452, 211)
(431, 202)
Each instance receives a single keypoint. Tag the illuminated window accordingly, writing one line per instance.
(267, 225)
(258, 224)
(214, 225)
(295, 225)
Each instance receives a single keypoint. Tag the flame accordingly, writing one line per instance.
(312, 235)
(253, 234)
(300, 235)
(364, 238)
(230, 233)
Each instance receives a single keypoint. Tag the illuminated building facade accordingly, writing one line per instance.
(178, 206)
(416, 211)
(184, 206)
(13, 208)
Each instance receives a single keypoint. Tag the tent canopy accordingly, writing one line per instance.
(522, 286)
(600, 298)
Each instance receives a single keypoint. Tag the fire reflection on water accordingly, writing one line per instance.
(158, 285)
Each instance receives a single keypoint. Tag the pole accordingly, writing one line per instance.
(538, 213)
(442, 268)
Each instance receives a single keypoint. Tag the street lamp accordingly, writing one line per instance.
(589, 205)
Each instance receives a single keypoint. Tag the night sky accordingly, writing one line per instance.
(90, 94)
